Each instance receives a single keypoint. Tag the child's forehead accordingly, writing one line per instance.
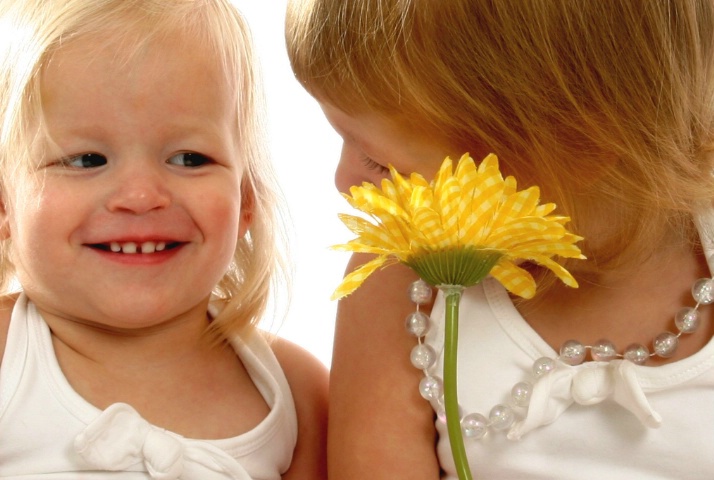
(132, 63)
(122, 46)
(169, 86)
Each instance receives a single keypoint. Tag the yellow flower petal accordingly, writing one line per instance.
(354, 279)
(467, 211)
(374, 235)
(515, 279)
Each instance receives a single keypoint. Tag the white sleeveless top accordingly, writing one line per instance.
(48, 431)
(592, 421)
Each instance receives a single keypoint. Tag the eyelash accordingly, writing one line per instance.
(86, 160)
(195, 159)
(372, 165)
(95, 160)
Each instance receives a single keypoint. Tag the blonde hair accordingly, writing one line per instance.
(32, 30)
(608, 105)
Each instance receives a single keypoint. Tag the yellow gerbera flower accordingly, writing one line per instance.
(455, 231)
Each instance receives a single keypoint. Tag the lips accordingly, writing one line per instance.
(136, 247)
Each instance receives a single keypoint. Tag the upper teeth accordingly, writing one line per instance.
(133, 247)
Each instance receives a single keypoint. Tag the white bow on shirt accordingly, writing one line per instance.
(586, 384)
(119, 438)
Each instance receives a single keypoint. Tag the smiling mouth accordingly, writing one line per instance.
(134, 247)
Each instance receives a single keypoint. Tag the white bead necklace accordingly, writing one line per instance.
(572, 352)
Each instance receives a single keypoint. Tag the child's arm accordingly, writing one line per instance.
(380, 427)
(308, 379)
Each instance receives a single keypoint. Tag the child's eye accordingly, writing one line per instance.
(85, 160)
(372, 165)
(188, 159)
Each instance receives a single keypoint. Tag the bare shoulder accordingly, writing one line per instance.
(305, 373)
(375, 406)
(308, 380)
(7, 302)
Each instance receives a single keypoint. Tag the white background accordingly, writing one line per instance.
(305, 151)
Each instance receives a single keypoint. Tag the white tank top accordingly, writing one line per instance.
(48, 431)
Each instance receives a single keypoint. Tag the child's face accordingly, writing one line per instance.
(371, 143)
(148, 164)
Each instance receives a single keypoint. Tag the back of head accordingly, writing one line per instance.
(32, 30)
(602, 103)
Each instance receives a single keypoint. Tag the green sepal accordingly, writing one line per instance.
(465, 266)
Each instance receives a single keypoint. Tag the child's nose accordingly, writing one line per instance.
(139, 192)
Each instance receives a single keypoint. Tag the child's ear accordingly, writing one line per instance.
(247, 206)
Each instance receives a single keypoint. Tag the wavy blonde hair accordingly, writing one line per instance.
(608, 105)
(34, 29)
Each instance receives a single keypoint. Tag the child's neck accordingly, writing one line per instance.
(628, 306)
(169, 373)
(157, 344)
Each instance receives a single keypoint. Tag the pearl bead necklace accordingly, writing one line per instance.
(572, 352)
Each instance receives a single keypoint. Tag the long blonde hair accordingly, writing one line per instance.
(32, 30)
(608, 105)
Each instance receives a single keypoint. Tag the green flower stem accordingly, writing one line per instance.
(452, 296)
